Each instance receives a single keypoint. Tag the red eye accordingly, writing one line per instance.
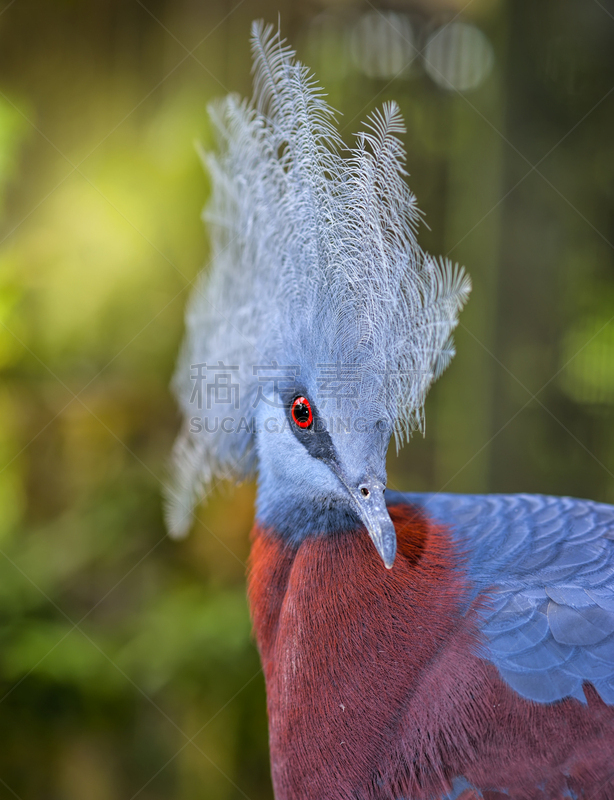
(301, 412)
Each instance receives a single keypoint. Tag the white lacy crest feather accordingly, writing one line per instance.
(314, 261)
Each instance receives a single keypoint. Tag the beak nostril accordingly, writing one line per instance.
(364, 491)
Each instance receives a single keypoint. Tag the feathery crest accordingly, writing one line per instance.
(314, 261)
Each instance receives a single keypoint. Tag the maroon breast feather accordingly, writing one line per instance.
(379, 686)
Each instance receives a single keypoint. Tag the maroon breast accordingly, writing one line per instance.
(376, 687)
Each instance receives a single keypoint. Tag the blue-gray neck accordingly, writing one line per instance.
(296, 517)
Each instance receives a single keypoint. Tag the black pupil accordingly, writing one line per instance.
(301, 412)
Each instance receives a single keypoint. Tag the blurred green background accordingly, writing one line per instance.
(126, 664)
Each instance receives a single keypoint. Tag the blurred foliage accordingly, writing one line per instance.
(126, 662)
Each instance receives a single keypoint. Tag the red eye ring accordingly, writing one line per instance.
(302, 415)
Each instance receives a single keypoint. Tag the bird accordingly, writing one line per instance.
(414, 645)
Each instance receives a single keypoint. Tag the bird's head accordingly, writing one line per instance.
(322, 462)
(321, 325)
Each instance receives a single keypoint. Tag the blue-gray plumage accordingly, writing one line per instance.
(547, 564)
(315, 262)
(469, 645)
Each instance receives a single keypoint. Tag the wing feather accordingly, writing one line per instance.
(547, 566)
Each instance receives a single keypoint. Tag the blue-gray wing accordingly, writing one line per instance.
(547, 564)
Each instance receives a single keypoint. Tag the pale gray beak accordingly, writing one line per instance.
(371, 507)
